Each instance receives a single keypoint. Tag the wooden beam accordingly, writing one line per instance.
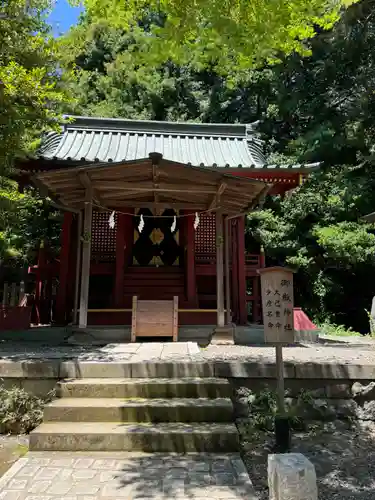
(126, 195)
(216, 199)
(86, 255)
(162, 204)
(219, 269)
(87, 184)
(153, 187)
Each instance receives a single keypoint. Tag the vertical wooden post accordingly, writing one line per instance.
(5, 294)
(257, 295)
(220, 269)
(120, 260)
(175, 318)
(256, 301)
(191, 280)
(22, 292)
(13, 294)
(227, 271)
(78, 268)
(262, 257)
(86, 256)
(38, 281)
(241, 271)
(134, 319)
(61, 299)
(128, 237)
(235, 311)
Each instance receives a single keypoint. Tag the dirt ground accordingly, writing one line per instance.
(343, 455)
(11, 449)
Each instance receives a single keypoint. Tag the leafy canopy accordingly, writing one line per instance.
(233, 35)
(30, 95)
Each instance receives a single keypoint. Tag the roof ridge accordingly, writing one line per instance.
(159, 127)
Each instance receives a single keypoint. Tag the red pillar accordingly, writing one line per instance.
(234, 273)
(257, 293)
(39, 282)
(124, 240)
(64, 274)
(241, 271)
(120, 260)
(256, 301)
(191, 280)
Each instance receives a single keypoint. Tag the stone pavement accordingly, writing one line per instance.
(130, 476)
(347, 353)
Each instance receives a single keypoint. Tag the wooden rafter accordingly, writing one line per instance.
(85, 181)
(216, 199)
(144, 184)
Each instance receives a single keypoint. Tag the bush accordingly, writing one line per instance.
(20, 411)
(338, 330)
(262, 410)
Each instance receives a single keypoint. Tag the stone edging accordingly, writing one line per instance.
(57, 369)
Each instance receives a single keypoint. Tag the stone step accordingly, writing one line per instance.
(105, 436)
(145, 388)
(139, 410)
(141, 364)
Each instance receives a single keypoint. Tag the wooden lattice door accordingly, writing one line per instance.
(103, 238)
(205, 239)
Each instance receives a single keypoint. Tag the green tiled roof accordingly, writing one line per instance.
(113, 140)
(88, 140)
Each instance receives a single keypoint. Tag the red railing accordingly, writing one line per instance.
(251, 259)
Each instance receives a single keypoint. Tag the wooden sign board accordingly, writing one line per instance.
(277, 304)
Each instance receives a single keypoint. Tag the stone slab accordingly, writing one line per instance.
(135, 476)
(291, 476)
(185, 387)
(139, 410)
(172, 370)
(147, 437)
(233, 369)
(334, 370)
(36, 361)
(94, 369)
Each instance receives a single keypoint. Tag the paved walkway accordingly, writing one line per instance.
(116, 476)
(189, 352)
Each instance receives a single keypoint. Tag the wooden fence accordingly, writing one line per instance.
(15, 314)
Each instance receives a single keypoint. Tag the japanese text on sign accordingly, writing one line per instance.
(277, 302)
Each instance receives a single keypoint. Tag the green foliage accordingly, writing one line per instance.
(338, 330)
(20, 411)
(262, 410)
(30, 91)
(233, 36)
(25, 220)
(318, 231)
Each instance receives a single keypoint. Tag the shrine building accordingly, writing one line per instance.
(155, 212)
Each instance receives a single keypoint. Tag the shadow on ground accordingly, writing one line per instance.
(343, 455)
(190, 476)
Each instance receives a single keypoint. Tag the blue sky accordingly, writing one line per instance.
(63, 16)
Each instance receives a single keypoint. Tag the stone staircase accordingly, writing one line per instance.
(139, 414)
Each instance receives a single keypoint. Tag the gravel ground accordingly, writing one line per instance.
(363, 354)
(343, 455)
(330, 353)
(11, 449)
